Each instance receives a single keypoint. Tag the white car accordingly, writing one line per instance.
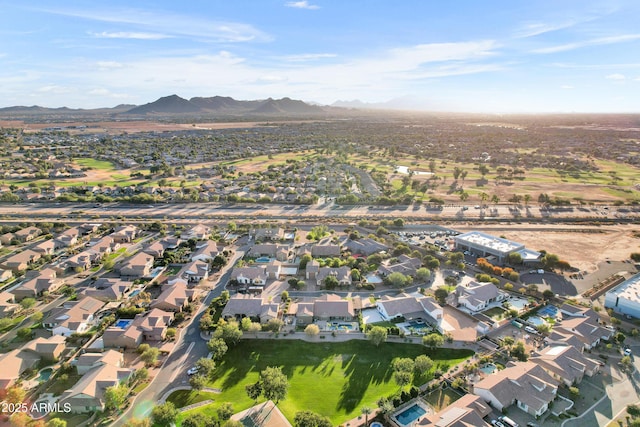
(192, 371)
(627, 351)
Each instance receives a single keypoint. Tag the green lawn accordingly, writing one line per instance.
(95, 164)
(333, 379)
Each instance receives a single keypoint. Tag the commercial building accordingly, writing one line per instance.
(486, 245)
(625, 298)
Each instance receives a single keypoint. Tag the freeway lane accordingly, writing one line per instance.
(210, 211)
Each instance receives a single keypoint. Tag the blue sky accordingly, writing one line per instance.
(466, 55)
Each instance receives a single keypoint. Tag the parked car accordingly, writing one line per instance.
(192, 371)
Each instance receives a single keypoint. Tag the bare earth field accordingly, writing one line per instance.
(583, 247)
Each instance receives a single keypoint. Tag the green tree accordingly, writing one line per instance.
(115, 397)
(205, 366)
(143, 347)
(37, 317)
(56, 422)
(312, 330)
(15, 395)
(423, 364)
(171, 333)
(24, 334)
(164, 414)
(150, 356)
(366, 411)
(441, 295)
(304, 260)
(402, 378)
(197, 419)
(274, 384)
(217, 347)
(254, 391)
(273, 325)
(331, 282)
(230, 332)
(397, 280)
(398, 222)
(225, 411)
(377, 335)
(197, 382)
(310, 419)
(423, 274)
(433, 341)
(403, 364)
(575, 391)
(27, 303)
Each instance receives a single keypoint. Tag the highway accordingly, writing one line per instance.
(189, 212)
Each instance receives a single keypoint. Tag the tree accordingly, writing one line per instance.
(254, 391)
(433, 341)
(197, 381)
(274, 384)
(310, 419)
(150, 356)
(19, 419)
(402, 378)
(205, 366)
(225, 411)
(398, 222)
(24, 333)
(547, 294)
(304, 260)
(171, 333)
(230, 332)
(232, 423)
(575, 391)
(164, 414)
(441, 295)
(331, 282)
(56, 422)
(15, 395)
(423, 364)
(318, 232)
(312, 330)
(115, 397)
(245, 323)
(27, 303)
(397, 280)
(197, 419)
(377, 335)
(141, 374)
(274, 325)
(218, 347)
(366, 411)
(423, 274)
(403, 364)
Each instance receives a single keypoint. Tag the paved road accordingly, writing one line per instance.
(201, 211)
(189, 347)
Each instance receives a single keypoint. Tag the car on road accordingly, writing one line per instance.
(627, 351)
(532, 424)
(192, 371)
(497, 423)
(530, 330)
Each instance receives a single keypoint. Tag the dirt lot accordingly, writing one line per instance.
(583, 247)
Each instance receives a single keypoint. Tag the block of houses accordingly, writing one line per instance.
(263, 250)
(198, 232)
(475, 296)
(468, 411)
(8, 305)
(364, 246)
(27, 234)
(137, 266)
(269, 234)
(14, 363)
(125, 234)
(195, 271)
(37, 282)
(157, 248)
(524, 384)
(68, 238)
(77, 262)
(87, 361)
(273, 269)
(411, 308)
(6, 238)
(150, 326)
(107, 290)
(343, 274)
(332, 307)
(405, 265)
(313, 267)
(21, 261)
(73, 316)
(240, 306)
(87, 395)
(46, 247)
(325, 250)
(48, 349)
(5, 275)
(582, 330)
(566, 363)
(255, 275)
(103, 246)
(175, 297)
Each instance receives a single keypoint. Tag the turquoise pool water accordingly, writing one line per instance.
(410, 414)
(123, 323)
(263, 259)
(489, 368)
(45, 374)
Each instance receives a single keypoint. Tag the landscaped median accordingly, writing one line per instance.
(332, 379)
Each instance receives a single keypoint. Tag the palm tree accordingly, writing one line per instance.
(366, 411)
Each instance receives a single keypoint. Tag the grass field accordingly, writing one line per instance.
(102, 165)
(333, 379)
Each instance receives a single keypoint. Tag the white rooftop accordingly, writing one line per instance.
(490, 242)
(629, 289)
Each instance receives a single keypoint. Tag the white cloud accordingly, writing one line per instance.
(309, 57)
(304, 4)
(105, 93)
(109, 65)
(130, 35)
(169, 24)
(615, 76)
(586, 43)
(567, 87)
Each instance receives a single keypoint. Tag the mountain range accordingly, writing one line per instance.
(175, 105)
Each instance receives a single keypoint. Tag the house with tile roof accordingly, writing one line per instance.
(73, 316)
(475, 296)
(468, 411)
(566, 363)
(240, 306)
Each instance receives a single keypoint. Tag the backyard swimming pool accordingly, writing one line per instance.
(409, 415)
(263, 259)
(373, 278)
(489, 368)
(123, 323)
(536, 321)
(45, 374)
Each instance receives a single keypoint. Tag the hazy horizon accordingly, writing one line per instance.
(501, 57)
